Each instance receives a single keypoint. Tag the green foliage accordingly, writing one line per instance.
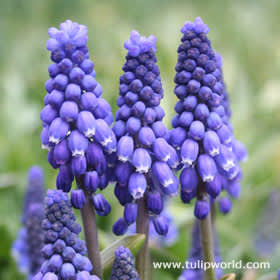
(246, 33)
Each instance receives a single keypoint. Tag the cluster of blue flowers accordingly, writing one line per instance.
(194, 272)
(27, 247)
(202, 133)
(145, 159)
(123, 267)
(63, 251)
(76, 119)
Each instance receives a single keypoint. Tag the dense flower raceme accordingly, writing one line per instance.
(76, 119)
(145, 159)
(123, 267)
(26, 248)
(63, 251)
(202, 133)
(194, 272)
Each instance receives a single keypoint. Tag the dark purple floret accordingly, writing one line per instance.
(123, 267)
(27, 248)
(76, 119)
(202, 133)
(63, 251)
(145, 160)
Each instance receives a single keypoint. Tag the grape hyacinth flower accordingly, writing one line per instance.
(194, 272)
(123, 267)
(202, 133)
(27, 248)
(76, 119)
(76, 128)
(63, 251)
(145, 159)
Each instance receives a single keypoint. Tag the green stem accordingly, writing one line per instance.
(207, 245)
(142, 226)
(91, 235)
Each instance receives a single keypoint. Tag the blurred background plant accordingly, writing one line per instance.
(244, 32)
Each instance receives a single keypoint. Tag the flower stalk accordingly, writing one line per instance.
(142, 226)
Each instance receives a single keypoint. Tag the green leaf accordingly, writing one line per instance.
(230, 276)
(133, 242)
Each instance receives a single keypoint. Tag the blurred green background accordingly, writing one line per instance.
(245, 33)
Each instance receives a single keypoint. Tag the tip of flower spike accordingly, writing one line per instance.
(198, 26)
(35, 175)
(69, 36)
(138, 44)
(55, 196)
(122, 251)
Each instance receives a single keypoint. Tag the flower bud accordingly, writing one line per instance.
(96, 158)
(141, 160)
(78, 199)
(73, 92)
(88, 101)
(159, 129)
(138, 109)
(104, 134)
(130, 213)
(86, 123)
(56, 98)
(146, 136)
(197, 130)
(225, 159)
(120, 227)
(201, 209)
(225, 205)
(214, 188)
(119, 128)
(69, 111)
(163, 173)
(61, 153)
(137, 185)
(123, 171)
(189, 151)
(214, 121)
(48, 114)
(161, 225)
(101, 205)
(58, 130)
(125, 148)
(190, 103)
(201, 112)
(77, 143)
(189, 180)
(67, 271)
(225, 134)
(79, 165)
(162, 150)
(91, 181)
(211, 143)
(45, 138)
(240, 150)
(206, 168)
(154, 202)
(133, 125)
(185, 119)
(122, 194)
(177, 136)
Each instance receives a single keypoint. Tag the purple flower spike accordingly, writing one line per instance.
(64, 252)
(123, 266)
(75, 117)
